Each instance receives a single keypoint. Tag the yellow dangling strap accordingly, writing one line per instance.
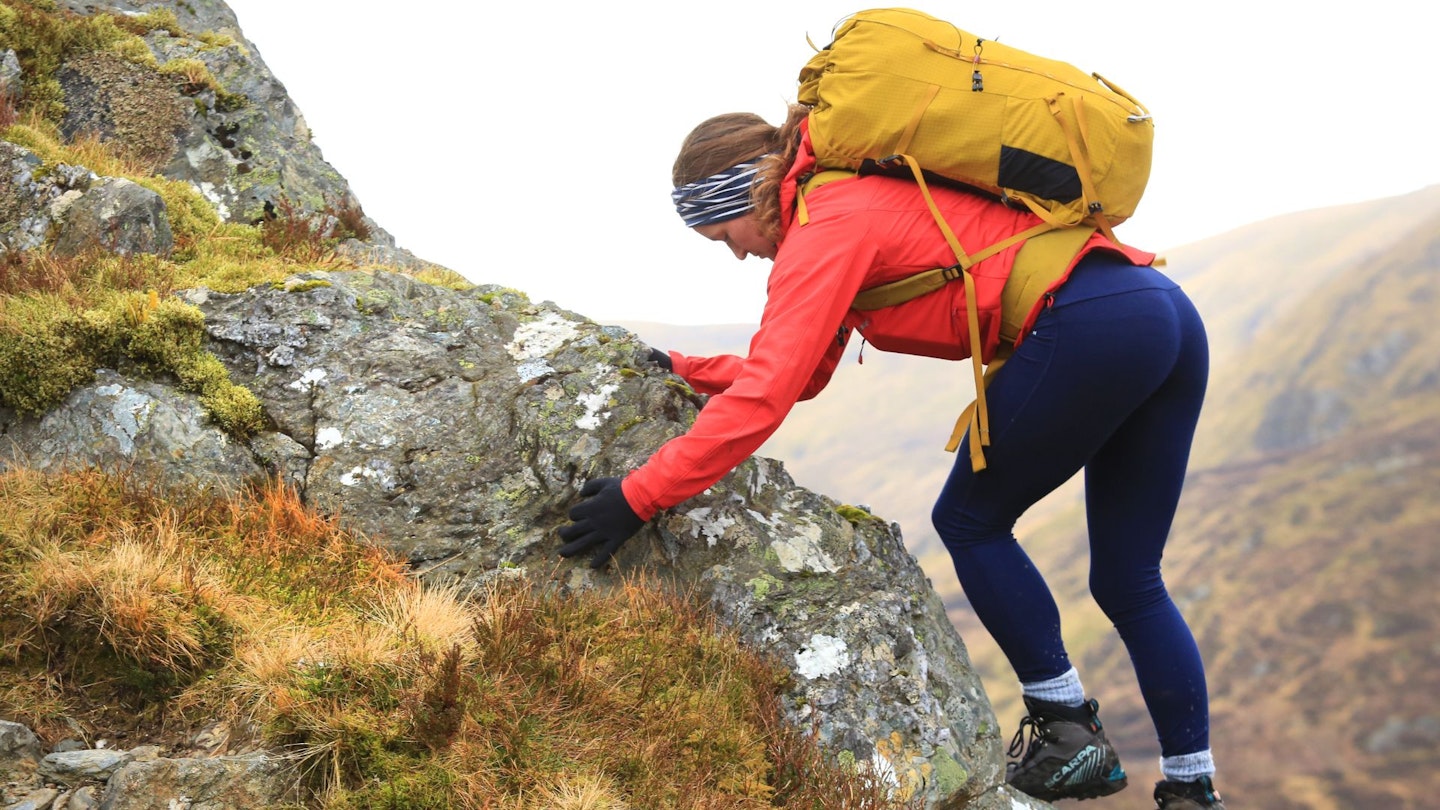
(979, 428)
(980, 423)
(969, 421)
(961, 258)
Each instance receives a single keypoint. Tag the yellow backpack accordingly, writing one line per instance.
(897, 83)
(900, 92)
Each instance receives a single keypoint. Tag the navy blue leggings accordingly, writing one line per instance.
(1110, 380)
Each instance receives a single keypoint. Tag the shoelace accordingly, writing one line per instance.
(1018, 743)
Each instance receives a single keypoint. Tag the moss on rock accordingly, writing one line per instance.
(136, 107)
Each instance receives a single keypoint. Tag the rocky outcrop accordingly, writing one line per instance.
(19, 751)
(76, 210)
(9, 74)
(456, 427)
(242, 145)
(32, 201)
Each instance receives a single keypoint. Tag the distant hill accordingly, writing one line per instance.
(1306, 541)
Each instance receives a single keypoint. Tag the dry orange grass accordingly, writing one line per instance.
(172, 611)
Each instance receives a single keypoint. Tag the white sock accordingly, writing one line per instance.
(1065, 689)
(1188, 767)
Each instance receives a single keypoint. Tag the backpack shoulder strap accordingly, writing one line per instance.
(809, 184)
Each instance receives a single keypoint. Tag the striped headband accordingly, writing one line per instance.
(721, 196)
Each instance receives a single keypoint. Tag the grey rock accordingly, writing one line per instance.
(47, 201)
(239, 156)
(220, 783)
(32, 201)
(145, 753)
(40, 799)
(365, 254)
(281, 456)
(193, 15)
(456, 428)
(117, 422)
(24, 219)
(82, 798)
(79, 767)
(19, 751)
(10, 74)
(119, 216)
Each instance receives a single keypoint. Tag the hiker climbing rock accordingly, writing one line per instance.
(1097, 362)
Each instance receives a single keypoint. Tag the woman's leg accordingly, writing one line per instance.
(1132, 486)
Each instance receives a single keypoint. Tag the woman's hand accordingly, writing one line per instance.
(603, 521)
(662, 359)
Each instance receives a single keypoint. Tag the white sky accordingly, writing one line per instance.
(530, 145)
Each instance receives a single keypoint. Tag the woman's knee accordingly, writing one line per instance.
(962, 528)
(1126, 598)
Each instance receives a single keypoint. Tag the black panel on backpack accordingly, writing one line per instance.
(1039, 175)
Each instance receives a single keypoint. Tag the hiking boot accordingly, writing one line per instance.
(1067, 757)
(1197, 795)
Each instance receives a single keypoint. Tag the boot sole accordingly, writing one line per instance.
(1092, 790)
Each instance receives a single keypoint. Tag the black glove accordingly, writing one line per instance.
(662, 358)
(602, 521)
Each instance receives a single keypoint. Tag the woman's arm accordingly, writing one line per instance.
(815, 278)
(707, 375)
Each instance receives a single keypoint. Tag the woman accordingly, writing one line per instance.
(1107, 374)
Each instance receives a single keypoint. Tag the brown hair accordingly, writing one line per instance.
(733, 138)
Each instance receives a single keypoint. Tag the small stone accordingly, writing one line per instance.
(78, 767)
(42, 799)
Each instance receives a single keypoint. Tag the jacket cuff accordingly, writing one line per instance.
(635, 498)
(679, 365)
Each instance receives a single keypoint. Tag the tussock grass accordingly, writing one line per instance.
(142, 613)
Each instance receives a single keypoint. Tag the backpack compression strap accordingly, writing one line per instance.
(1069, 113)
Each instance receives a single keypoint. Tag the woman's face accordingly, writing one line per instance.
(742, 235)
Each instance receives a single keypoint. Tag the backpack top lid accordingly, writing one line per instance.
(895, 81)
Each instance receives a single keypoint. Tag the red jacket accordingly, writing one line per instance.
(861, 232)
